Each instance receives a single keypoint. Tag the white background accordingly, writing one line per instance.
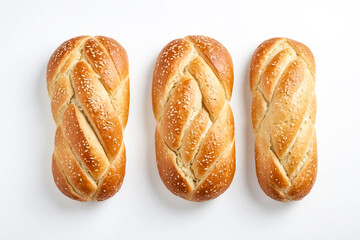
(31, 206)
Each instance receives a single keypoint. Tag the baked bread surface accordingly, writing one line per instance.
(282, 81)
(88, 84)
(194, 136)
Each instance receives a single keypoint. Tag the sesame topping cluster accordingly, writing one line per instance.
(86, 86)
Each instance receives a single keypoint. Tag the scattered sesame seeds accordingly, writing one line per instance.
(179, 124)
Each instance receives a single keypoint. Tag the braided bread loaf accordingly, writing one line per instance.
(194, 137)
(282, 80)
(88, 83)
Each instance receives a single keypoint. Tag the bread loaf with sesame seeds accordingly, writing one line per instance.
(282, 81)
(194, 136)
(88, 84)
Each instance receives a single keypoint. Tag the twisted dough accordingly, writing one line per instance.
(88, 83)
(282, 80)
(194, 137)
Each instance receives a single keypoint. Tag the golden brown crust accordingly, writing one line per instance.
(102, 64)
(218, 179)
(194, 138)
(185, 96)
(60, 61)
(218, 58)
(282, 80)
(112, 181)
(120, 59)
(305, 53)
(213, 93)
(169, 172)
(215, 143)
(61, 97)
(118, 55)
(84, 143)
(194, 134)
(95, 102)
(171, 60)
(260, 59)
(305, 179)
(88, 83)
(61, 181)
(81, 182)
